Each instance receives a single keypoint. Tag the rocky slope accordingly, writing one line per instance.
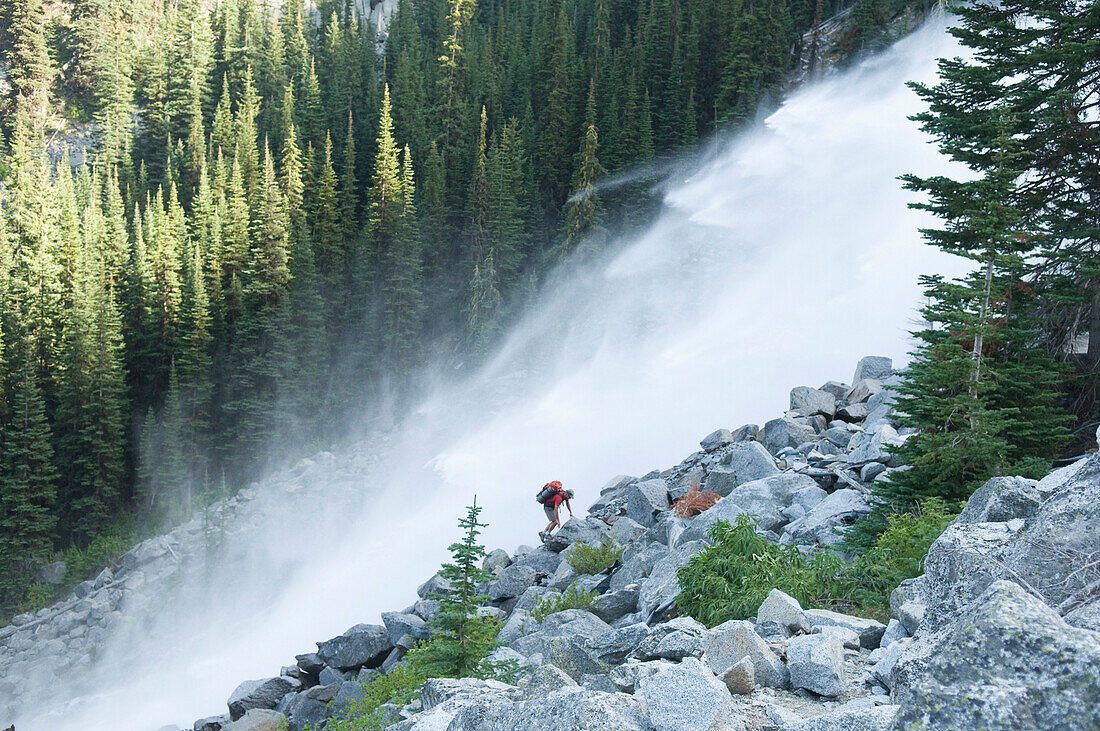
(1000, 632)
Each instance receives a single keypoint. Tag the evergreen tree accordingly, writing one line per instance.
(582, 218)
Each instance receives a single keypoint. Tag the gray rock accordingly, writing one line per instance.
(863, 390)
(616, 483)
(837, 389)
(329, 676)
(662, 585)
(848, 638)
(781, 717)
(685, 626)
(716, 440)
(875, 718)
(613, 647)
(869, 630)
(310, 663)
(568, 709)
(615, 605)
(806, 401)
(744, 462)
(727, 643)
(808, 497)
(512, 582)
(435, 585)
(687, 696)
(496, 561)
(1085, 616)
(780, 434)
(626, 530)
(746, 433)
(264, 694)
(211, 723)
(783, 609)
(437, 691)
(541, 559)
(907, 603)
(883, 669)
(740, 679)
(644, 499)
(1002, 499)
(871, 470)
(399, 625)
(587, 530)
(257, 719)
(349, 693)
(816, 663)
(853, 413)
(546, 679)
(362, 645)
(873, 366)
(874, 446)
(678, 645)
(310, 709)
(601, 683)
(576, 623)
(838, 510)
(570, 655)
(895, 631)
(1009, 662)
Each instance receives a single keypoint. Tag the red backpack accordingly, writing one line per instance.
(548, 490)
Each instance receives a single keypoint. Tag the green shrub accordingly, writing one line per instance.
(399, 686)
(587, 559)
(39, 595)
(898, 554)
(81, 564)
(731, 577)
(571, 598)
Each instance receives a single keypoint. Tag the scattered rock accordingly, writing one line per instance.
(806, 401)
(687, 695)
(728, 643)
(263, 694)
(869, 630)
(740, 679)
(783, 609)
(258, 719)
(716, 440)
(873, 366)
(362, 645)
(816, 663)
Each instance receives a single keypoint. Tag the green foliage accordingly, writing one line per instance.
(898, 554)
(587, 559)
(731, 577)
(400, 686)
(571, 598)
(84, 563)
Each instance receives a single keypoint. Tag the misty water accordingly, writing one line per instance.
(786, 254)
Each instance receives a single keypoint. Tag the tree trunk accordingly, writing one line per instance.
(979, 336)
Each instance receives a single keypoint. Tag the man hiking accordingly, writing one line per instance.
(552, 496)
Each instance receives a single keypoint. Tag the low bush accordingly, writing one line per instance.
(587, 559)
(695, 501)
(731, 577)
(571, 598)
(898, 554)
(399, 686)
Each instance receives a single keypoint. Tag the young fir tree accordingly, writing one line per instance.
(584, 208)
(462, 637)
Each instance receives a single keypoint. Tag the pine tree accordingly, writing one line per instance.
(30, 72)
(462, 637)
(584, 209)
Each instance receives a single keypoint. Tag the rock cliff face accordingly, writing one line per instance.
(1001, 631)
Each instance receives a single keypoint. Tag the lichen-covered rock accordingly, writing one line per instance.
(869, 630)
(512, 582)
(568, 709)
(616, 604)
(613, 647)
(837, 511)
(546, 679)
(875, 718)
(1010, 662)
(806, 401)
(257, 719)
(571, 656)
(741, 463)
(1002, 499)
(662, 585)
(687, 695)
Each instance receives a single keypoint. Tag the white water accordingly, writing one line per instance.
(777, 264)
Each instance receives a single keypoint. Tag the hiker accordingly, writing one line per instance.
(552, 496)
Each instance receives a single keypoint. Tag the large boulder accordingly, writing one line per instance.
(716, 440)
(783, 609)
(662, 585)
(542, 560)
(399, 624)
(1009, 662)
(837, 511)
(743, 462)
(847, 718)
(816, 663)
(615, 605)
(874, 446)
(613, 647)
(806, 401)
(687, 695)
(570, 655)
(727, 643)
(584, 530)
(1002, 499)
(637, 564)
(869, 631)
(785, 433)
(873, 366)
(264, 693)
(512, 582)
(567, 709)
(645, 499)
(364, 645)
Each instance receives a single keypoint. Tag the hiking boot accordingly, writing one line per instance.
(544, 536)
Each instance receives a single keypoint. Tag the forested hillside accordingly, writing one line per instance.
(280, 214)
